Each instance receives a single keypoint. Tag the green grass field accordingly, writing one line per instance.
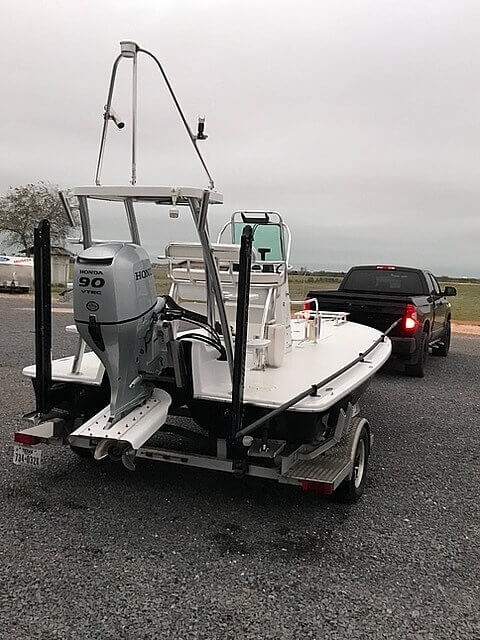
(465, 307)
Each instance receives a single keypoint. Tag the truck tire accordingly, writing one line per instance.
(352, 488)
(417, 370)
(443, 347)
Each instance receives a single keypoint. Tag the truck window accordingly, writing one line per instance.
(436, 284)
(391, 281)
(431, 283)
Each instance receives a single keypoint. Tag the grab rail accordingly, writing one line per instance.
(317, 317)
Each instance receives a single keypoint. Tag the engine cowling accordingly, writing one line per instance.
(114, 300)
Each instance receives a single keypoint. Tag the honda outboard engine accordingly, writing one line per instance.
(114, 303)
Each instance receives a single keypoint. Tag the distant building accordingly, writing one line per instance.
(61, 259)
(60, 265)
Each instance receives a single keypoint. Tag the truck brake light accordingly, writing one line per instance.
(307, 306)
(410, 320)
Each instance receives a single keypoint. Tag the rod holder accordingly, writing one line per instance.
(112, 115)
(201, 135)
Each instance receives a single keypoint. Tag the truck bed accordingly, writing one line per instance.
(374, 310)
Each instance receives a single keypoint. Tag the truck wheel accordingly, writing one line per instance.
(82, 452)
(352, 488)
(443, 348)
(417, 370)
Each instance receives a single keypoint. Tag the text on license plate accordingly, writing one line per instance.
(27, 456)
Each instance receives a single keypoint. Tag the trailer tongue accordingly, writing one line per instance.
(266, 395)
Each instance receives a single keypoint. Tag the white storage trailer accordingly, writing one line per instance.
(16, 274)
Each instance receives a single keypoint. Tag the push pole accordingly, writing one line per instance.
(43, 317)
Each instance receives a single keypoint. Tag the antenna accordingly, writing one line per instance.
(130, 50)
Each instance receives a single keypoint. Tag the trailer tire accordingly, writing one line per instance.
(351, 489)
(82, 452)
(417, 370)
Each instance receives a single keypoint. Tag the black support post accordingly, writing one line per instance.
(241, 326)
(43, 317)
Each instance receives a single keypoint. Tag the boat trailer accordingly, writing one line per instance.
(154, 371)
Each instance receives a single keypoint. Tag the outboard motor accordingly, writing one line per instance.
(114, 304)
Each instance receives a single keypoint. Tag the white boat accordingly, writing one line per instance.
(274, 391)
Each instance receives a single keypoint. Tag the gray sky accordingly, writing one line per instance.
(358, 120)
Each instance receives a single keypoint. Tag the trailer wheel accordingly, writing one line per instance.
(82, 452)
(352, 488)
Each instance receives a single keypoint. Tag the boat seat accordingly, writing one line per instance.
(186, 264)
(198, 275)
(193, 296)
(193, 251)
(187, 270)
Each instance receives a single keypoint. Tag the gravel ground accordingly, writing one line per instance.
(94, 551)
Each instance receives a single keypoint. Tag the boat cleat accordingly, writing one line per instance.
(265, 449)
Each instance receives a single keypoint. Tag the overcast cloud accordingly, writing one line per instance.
(357, 120)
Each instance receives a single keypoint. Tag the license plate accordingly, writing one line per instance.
(27, 456)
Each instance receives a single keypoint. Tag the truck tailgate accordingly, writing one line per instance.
(378, 313)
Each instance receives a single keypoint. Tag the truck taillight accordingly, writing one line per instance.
(410, 320)
(307, 305)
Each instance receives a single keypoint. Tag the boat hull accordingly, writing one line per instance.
(296, 427)
(306, 365)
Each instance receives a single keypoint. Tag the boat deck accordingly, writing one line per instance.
(306, 364)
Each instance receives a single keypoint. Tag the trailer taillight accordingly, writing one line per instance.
(317, 487)
(25, 438)
(410, 320)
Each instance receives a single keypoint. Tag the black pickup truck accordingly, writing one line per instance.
(378, 295)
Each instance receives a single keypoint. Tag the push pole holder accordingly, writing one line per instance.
(241, 327)
(43, 318)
